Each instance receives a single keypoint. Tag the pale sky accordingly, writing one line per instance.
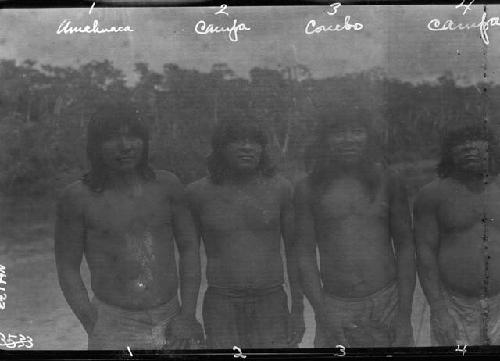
(394, 38)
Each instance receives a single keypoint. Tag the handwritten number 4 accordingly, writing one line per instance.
(462, 350)
(335, 7)
(222, 10)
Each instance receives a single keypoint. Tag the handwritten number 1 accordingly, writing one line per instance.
(222, 10)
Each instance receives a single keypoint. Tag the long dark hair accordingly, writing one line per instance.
(452, 138)
(323, 167)
(107, 120)
(228, 131)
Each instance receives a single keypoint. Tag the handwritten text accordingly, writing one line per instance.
(66, 28)
(312, 26)
(3, 282)
(15, 341)
(449, 25)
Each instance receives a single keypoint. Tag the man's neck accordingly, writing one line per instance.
(123, 180)
(475, 182)
(241, 178)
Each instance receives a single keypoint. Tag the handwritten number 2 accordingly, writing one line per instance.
(222, 10)
(335, 7)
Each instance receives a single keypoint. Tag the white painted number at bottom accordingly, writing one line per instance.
(15, 341)
(239, 353)
(342, 351)
(463, 350)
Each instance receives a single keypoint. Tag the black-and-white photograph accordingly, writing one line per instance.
(249, 176)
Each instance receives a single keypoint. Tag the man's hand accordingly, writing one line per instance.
(184, 332)
(333, 328)
(443, 326)
(403, 332)
(296, 328)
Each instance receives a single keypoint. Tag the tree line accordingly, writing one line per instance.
(44, 111)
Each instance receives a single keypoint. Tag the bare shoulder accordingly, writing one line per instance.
(430, 194)
(283, 184)
(199, 187)
(167, 178)
(170, 185)
(74, 192)
(72, 197)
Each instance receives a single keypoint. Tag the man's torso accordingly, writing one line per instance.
(240, 226)
(464, 218)
(129, 246)
(353, 235)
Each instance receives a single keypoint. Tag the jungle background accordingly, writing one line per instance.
(44, 111)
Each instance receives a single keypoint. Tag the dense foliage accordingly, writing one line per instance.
(44, 110)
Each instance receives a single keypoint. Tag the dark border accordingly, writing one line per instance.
(205, 3)
(489, 352)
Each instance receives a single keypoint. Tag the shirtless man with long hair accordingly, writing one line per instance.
(356, 212)
(458, 267)
(243, 209)
(123, 216)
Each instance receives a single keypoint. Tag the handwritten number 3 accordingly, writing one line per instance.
(222, 10)
(335, 7)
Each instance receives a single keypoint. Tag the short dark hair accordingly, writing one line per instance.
(454, 137)
(230, 130)
(107, 119)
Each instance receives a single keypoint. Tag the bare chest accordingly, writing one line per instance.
(462, 209)
(347, 199)
(119, 215)
(239, 210)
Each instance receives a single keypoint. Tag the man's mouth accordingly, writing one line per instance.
(125, 158)
(246, 157)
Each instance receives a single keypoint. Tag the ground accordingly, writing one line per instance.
(35, 305)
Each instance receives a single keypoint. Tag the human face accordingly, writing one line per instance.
(348, 144)
(243, 155)
(122, 151)
(471, 156)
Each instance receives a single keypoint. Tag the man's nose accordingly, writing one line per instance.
(125, 143)
(246, 144)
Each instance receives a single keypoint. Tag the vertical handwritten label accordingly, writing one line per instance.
(202, 28)
(312, 26)
(3, 283)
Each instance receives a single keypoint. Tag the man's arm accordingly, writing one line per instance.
(427, 241)
(189, 250)
(404, 245)
(69, 245)
(287, 219)
(427, 245)
(306, 249)
(185, 331)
